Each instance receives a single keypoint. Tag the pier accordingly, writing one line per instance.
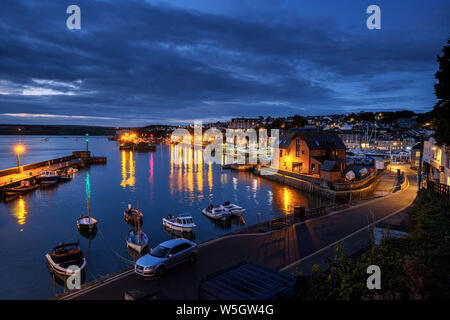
(13, 176)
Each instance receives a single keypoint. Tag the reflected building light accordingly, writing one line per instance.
(235, 182)
(20, 212)
(128, 169)
(150, 179)
(210, 177)
(269, 197)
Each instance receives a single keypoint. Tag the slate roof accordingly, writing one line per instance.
(329, 165)
(316, 140)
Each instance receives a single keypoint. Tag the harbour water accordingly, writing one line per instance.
(33, 224)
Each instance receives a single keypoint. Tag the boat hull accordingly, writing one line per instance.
(174, 226)
(139, 247)
(63, 271)
(86, 223)
(215, 216)
(19, 191)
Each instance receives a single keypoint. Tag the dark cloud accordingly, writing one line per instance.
(137, 63)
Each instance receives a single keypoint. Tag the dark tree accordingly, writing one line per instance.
(442, 92)
(298, 121)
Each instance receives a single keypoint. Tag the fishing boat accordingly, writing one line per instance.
(217, 212)
(64, 256)
(233, 208)
(132, 214)
(182, 223)
(87, 223)
(48, 177)
(24, 187)
(65, 175)
(137, 239)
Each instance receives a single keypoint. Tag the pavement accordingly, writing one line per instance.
(292, 249)
(5, 180)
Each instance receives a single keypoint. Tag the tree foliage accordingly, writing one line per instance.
(442, 92)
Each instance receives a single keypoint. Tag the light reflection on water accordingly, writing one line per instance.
(32, 225)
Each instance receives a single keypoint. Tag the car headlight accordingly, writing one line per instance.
(148, 268)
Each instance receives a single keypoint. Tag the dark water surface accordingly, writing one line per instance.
(32, 225)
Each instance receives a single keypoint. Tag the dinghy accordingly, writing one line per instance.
(233, 208)
(65, 255)
(216, 212)
(182, 223)
(132, 214)
(137, 239)
(25, 186)
(87, 223)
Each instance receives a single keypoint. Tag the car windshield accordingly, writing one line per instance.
(160, 252)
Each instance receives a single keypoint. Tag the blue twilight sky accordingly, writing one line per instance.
(137, 62)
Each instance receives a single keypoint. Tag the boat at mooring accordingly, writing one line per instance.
(48, 177)
(217, 212)
(132, 214)
(233, 208)
(64, 256)
(182, 223)
(24, 187)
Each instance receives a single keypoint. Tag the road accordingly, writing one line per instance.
(282, 250)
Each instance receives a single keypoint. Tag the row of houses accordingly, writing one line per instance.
(435, 161)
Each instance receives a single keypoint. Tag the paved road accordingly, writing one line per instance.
(279, 250)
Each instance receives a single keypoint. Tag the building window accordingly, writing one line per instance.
(313, 167)
(297, 148)
(303, 151)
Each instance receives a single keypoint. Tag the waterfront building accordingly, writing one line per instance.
(244, 123)
(435, 162)
(306, 150)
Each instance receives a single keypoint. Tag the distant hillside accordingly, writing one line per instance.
(54, 130)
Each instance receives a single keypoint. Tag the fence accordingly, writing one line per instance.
(439, 189)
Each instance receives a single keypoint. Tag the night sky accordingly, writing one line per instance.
(174, 61)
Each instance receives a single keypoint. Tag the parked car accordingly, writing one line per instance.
(165, 256)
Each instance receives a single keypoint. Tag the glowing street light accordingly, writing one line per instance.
(19, 148)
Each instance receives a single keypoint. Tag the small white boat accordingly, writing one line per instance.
(216, 212)
(64, 257)
(137, 240)
(183, 223)
(65, 175)
(233, 208)
(86, 223)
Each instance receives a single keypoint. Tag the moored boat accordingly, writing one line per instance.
(182, 223)
(65, 175)
(217, 212)
(132, 214)
(48, 177)
(24, 187)
(233, 208)
(64, 256)
(86, 223)
(137, 240)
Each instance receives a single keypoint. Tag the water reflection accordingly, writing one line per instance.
(20, 211)
(187, 172)
(128, 169)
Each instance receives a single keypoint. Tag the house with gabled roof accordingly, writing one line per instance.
(306, 150)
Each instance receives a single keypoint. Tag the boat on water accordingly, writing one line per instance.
(132, 215)
(87, 223)
(64, 256)
(217, 212)
(65, 175)
(48, 177)
(234, 208)
(137, 240)
(24, 187)
(182, 223)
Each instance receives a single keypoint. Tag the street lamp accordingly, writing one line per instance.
(19, 148)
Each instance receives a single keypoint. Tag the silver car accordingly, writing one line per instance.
(165, 256)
